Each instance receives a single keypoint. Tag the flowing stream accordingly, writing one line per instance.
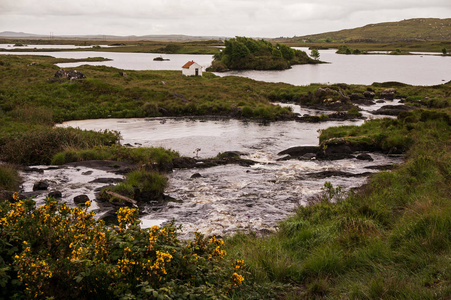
(225, 199)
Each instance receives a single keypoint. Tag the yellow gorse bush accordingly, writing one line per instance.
(62, 252)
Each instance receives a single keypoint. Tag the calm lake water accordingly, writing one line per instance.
(419, 69)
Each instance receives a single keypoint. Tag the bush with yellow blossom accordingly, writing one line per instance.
(58, 252)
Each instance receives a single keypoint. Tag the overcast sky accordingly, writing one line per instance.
(252, 18)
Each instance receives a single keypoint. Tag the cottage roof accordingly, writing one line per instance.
(188, 64)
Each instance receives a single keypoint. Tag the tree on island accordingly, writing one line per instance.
(315, 54)
(243, 53)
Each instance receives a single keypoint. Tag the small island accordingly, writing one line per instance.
(160, 58)
(243, 53)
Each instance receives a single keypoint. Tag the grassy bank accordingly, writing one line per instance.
(388, 240)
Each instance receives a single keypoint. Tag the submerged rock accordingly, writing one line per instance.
(56, 194)
(364, 156)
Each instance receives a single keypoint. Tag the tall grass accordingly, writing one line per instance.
(9, 177)
(38, 146)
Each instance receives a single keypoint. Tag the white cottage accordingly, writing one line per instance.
(192, 68)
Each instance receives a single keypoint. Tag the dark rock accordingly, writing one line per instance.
(380, 101)
(369, 95)
(392, 110)
(381, 167)
(336, 151)
(70, 74)
(41, 186)
(388, 94)
(117, 167)
(326, 174)
(81, 199)
(354, 97)
(183, 162)
(196, 175)
(56, 194)
(87, 173)
(109, 217)
(232, 153)
(286, 157)
(299, 151)
(28, 169)
(364, 156)
(324, 92)
(106, 180)
(308, 156)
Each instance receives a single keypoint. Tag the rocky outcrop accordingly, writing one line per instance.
(388, 94)
(334, 149)
(69, 74)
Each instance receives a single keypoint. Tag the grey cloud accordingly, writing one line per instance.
(210, 17)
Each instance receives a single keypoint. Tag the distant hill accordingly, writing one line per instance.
(163, 38)
(412, 30)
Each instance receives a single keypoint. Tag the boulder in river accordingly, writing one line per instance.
(81, 199)
(40, 185)
(299, 151)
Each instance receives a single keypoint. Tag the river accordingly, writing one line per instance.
(225, 199)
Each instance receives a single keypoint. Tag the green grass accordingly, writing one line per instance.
(156, 157)
(389, 240)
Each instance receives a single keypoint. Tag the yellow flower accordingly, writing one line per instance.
(237, 278)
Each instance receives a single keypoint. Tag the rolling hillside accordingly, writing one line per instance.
(412, 30)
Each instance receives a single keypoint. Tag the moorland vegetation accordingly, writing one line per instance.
(390, 239)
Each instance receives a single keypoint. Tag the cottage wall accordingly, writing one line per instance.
(191, 71)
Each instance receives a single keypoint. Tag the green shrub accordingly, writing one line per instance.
(58, 252)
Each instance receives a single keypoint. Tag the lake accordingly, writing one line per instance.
(421, 69)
